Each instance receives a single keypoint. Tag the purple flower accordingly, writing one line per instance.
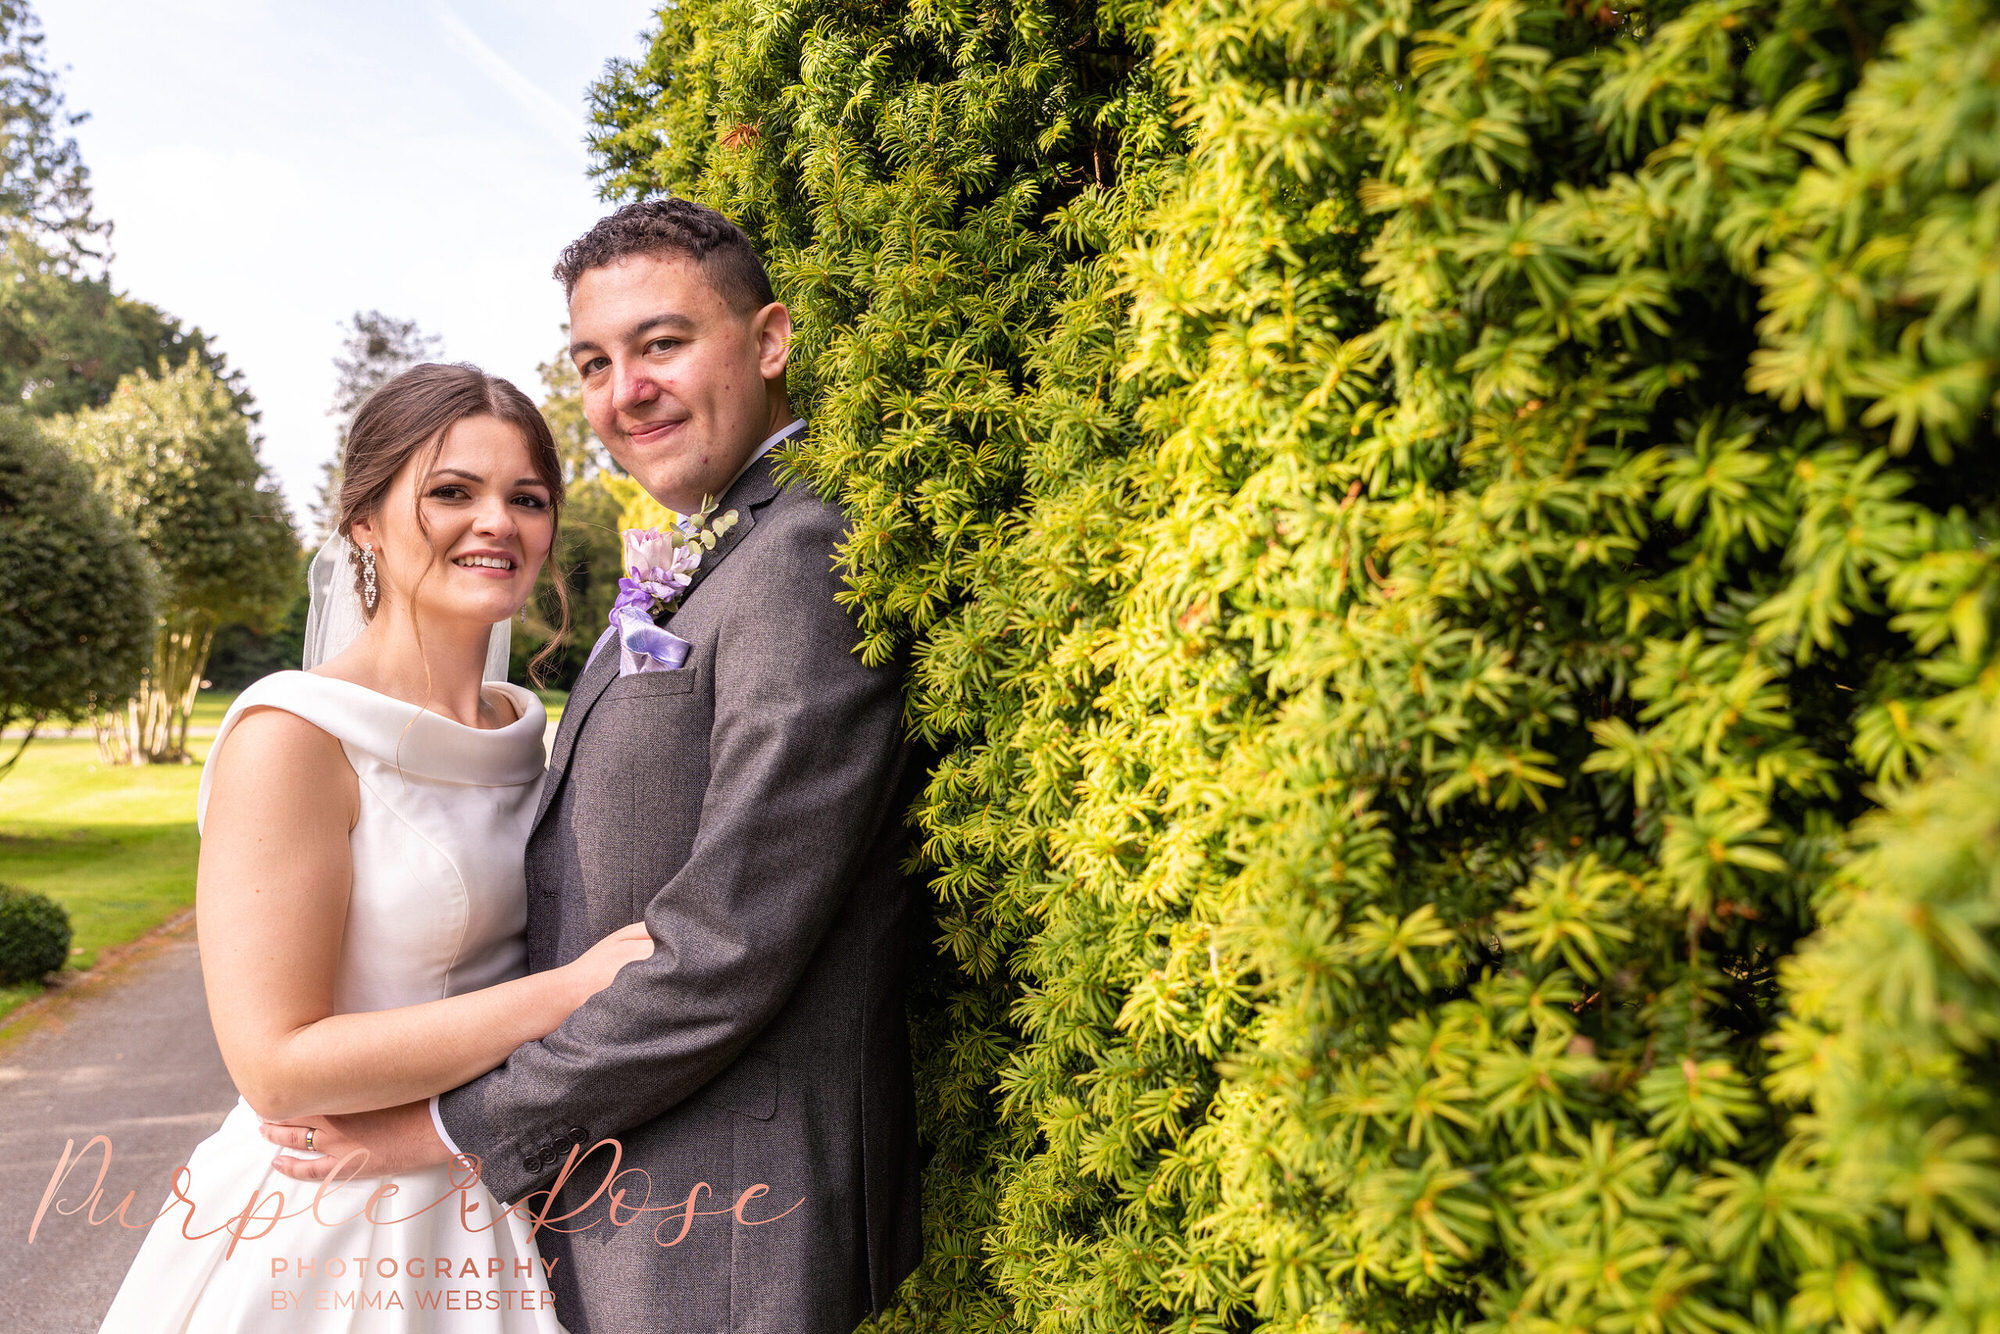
(666, 588)
(631, 593)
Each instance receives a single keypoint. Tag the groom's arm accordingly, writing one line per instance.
(805, 755)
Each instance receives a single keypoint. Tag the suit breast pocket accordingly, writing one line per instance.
(645, 685)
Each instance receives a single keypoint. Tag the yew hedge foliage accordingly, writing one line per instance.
(1447, 549)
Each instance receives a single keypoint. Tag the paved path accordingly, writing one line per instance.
(130, 1056)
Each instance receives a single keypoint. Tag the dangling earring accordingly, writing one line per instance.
(524, 614)
(368, 595)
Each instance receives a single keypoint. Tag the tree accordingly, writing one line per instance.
(174, 452)
(1427, 532)
(588, 553)
(76, 589)
(66, 337)
(562, 407)
(44, 187)
(241, 655)
(374, 349)
(66, 341)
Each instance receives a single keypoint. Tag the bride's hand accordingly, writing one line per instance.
(593, 970)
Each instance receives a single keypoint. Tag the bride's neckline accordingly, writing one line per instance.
(508, 688)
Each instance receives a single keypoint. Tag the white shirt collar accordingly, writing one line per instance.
(770, 443)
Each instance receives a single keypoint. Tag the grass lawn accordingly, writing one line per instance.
(209, 706)
(115, 847)
(553, 701)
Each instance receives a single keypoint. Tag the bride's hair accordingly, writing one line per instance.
(407, 417)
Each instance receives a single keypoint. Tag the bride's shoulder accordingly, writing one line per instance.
(275, 705)
(281, 734)
(272, 736)
(309, 701)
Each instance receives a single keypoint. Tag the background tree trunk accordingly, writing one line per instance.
(114, 740)
(156, 722)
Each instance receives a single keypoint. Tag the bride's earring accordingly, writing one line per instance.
(368, 595)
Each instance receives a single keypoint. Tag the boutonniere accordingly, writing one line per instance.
(659, 566)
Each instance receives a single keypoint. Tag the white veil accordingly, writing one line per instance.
(336, 618)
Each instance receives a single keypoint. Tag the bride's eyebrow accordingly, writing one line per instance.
(481, 481)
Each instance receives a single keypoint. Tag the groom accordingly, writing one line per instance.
(747, 807)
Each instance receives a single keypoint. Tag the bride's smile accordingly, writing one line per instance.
(477, 513)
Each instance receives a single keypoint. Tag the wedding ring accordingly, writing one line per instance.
(309, 1139)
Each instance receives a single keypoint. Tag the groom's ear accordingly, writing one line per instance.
(772, 328)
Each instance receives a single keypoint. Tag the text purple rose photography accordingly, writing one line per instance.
(1187, 667)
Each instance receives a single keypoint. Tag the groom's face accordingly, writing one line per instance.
(676, 379)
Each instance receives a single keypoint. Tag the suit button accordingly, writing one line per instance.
(579, 1134)
(531, 1164)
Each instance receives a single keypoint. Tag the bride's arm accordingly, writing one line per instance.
(270, 908)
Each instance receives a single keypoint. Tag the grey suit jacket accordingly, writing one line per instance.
(748, 807)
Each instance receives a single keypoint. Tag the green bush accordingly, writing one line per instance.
(76, 589)
(34, 935)
(1430, 533)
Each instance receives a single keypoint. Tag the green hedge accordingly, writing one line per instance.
(34, 935)
(1426, 530)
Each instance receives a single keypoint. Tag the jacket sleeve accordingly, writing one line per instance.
(806, 754)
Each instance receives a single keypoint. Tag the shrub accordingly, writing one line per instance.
(34, 935)
(1424, 580)
(76, 589)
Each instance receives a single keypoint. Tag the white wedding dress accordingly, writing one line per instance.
(438, 907)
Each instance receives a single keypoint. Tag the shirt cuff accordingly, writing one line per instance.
(437, 1123)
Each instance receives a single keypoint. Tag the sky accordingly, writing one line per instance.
(272, 166)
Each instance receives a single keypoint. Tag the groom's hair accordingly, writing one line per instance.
(673, 227)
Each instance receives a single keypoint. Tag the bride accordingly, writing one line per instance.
(361, 901)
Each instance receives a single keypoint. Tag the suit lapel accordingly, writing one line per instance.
(600, 672)
(752, 490)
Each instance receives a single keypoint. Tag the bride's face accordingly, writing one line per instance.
(489, 525)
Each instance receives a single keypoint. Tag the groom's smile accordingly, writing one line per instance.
(646, 435)
(677, 379)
